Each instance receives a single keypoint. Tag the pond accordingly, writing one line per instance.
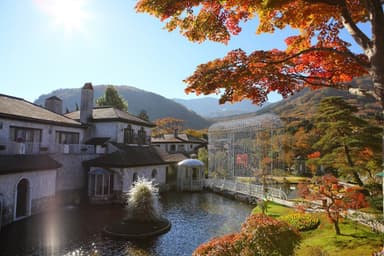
(195, 218)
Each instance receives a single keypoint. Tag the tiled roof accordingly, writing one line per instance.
(133, 156)
(128, 156)
(26, 163)
(111, 114)
(179, 138)
(20, 109)
(170, 158)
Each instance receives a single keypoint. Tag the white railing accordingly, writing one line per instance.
(27, 148)
(74, 149)
(258, 191)
(191, 185)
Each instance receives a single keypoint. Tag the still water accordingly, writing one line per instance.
(195, 218)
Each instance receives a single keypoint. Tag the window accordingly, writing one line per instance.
(67, 137)
(22, 134)
(181, 148)
(142, 135)
(172, 148)
(195, 173)
(128, 135)
(101, 182)
(154, 173)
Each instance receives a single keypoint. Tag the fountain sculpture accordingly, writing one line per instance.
(144, 219)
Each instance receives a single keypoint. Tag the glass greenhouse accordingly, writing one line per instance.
(247, 147)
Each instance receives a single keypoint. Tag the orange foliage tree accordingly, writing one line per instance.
(260, 235)
(316, 56)
(167, 125)
(338, 198)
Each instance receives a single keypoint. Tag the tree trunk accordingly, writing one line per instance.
(350, 163)
(337, 228)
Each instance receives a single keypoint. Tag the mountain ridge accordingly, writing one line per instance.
(201, 106)
(155, 105)
(303, 104)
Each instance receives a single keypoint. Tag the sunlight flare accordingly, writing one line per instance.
(70, 15)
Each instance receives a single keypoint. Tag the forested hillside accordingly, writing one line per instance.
(155, 105)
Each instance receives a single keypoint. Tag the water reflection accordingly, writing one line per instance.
(195, 218)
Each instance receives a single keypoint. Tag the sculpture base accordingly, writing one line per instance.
(133, 229)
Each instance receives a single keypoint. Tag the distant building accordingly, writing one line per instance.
(179, 143)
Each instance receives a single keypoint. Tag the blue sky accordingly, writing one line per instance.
(44, 47)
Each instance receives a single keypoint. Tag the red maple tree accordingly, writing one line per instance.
(337, 198)
(316, 56)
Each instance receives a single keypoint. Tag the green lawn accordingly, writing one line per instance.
(279, 179)
(355, 239)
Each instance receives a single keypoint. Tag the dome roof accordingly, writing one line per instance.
(190, 163)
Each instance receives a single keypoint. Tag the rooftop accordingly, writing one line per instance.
(128, 156)
(105, 114)
(26, 163)
(20, 109)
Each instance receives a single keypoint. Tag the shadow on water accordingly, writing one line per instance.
(195, 218)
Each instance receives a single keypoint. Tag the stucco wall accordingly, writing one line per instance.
(115, 130)
(48, 132)
(42, 190)
(143, 172)
(71, 176)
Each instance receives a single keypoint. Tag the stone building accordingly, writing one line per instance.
(49, 159)
(31, 139)
(179, 143)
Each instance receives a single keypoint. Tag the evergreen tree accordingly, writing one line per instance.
(144, 115)
(344, 137)
(112, 98)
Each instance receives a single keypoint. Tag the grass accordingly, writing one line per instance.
(274, 210)
(355, 239)
(279, 179)
(290, 179)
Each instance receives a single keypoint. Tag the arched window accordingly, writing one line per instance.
(128, 135)
(142, 136)
(154, 174)
(101, 182)
(22, 198)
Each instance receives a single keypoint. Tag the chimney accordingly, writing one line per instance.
(86, 104)
(176, 133)
(54, 104)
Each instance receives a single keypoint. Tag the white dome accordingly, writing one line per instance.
(190, 163)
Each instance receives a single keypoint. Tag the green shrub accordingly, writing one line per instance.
(317, 251)
(302, 221)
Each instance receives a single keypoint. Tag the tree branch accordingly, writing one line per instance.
(346, 54)
(356, 33)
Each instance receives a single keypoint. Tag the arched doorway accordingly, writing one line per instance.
(22, 198)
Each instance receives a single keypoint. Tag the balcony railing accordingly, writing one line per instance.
(12, 148)
(137, 140)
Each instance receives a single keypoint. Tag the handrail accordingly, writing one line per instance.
(258, 191)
